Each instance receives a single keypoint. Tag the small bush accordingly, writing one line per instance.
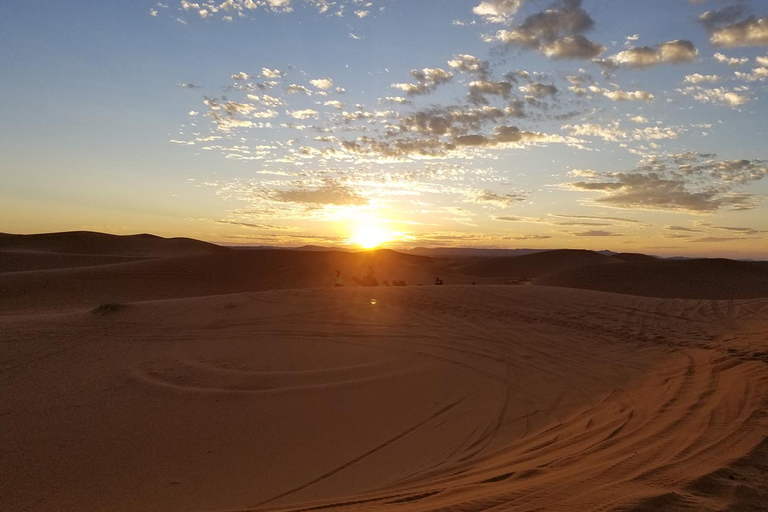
(108, 307)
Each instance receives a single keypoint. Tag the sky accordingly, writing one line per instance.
(622, 125)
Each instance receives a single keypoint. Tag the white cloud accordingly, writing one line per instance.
(697, 78)
(427, 80)
(731, 61)
(497, 11)
(717, 95)
(757, 74)
(271, 73)
(303, 114)
(671, 52)
(335, 104)
(322, 83)
(750, 32)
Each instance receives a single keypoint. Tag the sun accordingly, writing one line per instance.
(369, 236)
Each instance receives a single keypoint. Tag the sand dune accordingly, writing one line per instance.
(208, 274)
(89, 242)
(535, 265)
(433, 398)
(693, 279)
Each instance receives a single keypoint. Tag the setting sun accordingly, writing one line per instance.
(369, 236)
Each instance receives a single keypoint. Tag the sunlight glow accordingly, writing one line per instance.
(370, 235)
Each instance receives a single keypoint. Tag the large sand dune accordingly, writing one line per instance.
(433, 398)
(699, 279)
(207, 274)
(223, 380)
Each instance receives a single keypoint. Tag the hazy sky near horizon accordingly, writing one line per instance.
(623, 125)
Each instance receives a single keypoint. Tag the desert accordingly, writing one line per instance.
(142, 373)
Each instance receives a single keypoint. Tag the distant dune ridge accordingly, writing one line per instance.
(144, 373)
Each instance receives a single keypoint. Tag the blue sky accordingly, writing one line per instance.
(500, 123)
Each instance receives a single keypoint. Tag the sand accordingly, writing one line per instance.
(421, 398)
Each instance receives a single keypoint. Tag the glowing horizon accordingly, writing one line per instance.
(634, 127)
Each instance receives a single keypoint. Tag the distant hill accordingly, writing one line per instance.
(534, 265)
(685, 279)
(89, 242)
(463, 252)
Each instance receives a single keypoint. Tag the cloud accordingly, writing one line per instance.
(470, 64)
(596, 232)
(527, 237)
(335, 104)
(427, 80)
(307, 113)
(718, 239)
(697, 78)
(479, 89)
(510, 219)
(718, 95)
(722, 16)
(271, 73)
(330, 192)
(537, 90)
(731, 61)
(750, 32)
(597, 217)
(671, 52)
(497, 11)
(189, 86)
(611, 132)
(743, 231)
(556, 32)
(498, 200)
(619, 95)
(682, 228)
(296, 89)
(756, 75)
(322, 83)
(690, 182)
(572, 47)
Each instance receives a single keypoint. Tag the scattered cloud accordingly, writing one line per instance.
(731, 61)
(690, 182)
(718, 95)
(671, 52)
(697, 78)
(750, 32)
(596, 232)
(322, 83)
(497, 11)
(427, 80)
(498, 200)
(557, 32)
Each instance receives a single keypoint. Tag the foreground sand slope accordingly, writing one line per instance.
(432, 398)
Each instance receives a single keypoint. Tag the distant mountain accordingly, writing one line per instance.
(458, 252)
(712, 278)
(534, 265)
(90, 242)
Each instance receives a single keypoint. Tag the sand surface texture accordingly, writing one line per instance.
(457, 398)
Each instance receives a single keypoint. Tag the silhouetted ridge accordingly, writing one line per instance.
(89, 242)
(685, 279)
(534, 265)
